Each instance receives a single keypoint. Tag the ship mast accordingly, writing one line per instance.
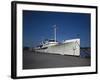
(55, 32)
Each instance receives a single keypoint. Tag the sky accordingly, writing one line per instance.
(38, 26)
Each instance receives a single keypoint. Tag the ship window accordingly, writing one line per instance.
(39, 45)
(51, 40)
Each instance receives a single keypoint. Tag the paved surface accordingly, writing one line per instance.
(35, 60)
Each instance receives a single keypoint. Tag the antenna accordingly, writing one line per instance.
(54, 32)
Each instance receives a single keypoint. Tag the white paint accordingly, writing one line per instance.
(69, 47)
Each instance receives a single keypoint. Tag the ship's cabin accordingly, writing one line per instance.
(47, 43)
(50, 42)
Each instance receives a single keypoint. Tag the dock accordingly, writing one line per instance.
(38, 60)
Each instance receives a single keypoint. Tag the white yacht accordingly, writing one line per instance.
(67, 47)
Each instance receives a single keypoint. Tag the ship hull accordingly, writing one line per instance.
(69, 47)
